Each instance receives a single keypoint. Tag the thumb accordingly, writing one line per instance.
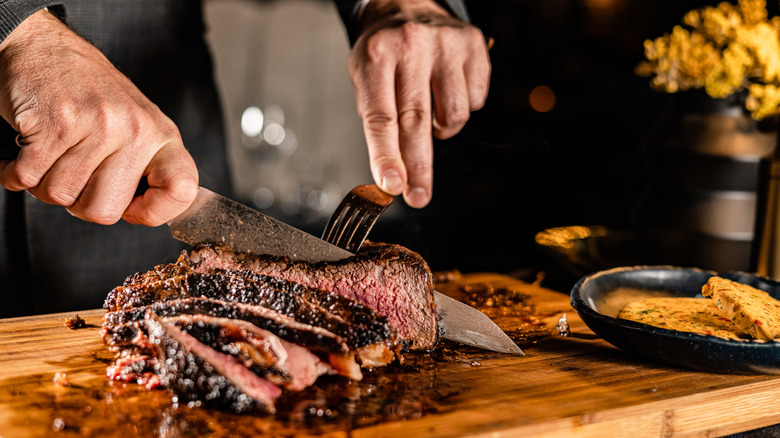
(173, 184)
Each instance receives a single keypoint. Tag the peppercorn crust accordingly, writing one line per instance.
(754, 311)
(693, 315)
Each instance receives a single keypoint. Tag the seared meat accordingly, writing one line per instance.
(197, 372)
(358, 324)
(123, 330)
(235, 330)
(389, 279)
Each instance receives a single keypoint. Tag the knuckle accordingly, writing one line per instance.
(391, 42)
(385, 160)
(149, 218)
(414, 119)
(170, 131)
(183, 189)
(63, 196)
(100, 215)
(420, 167)
(379, 121)
(477, 38)
(377, 50)
(411, 30)
(455, 116)
(27, 179)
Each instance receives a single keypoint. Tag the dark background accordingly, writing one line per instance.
(513, 171)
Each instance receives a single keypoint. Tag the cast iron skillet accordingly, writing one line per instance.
(597, 299)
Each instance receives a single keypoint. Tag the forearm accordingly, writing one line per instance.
(13, 12)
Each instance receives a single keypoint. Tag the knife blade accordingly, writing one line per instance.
(213, 218)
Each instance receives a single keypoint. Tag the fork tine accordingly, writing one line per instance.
(335, 226)
(360, 230)
(345, 228)
(355, 217)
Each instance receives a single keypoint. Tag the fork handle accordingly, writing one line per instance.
(372, 193)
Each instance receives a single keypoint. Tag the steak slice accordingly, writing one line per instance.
(196, 372)
(127, 329)
(132, 366)
(359, 325)
(390, 279)
(278, 361)
(159, 272)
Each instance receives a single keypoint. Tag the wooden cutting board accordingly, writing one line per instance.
(52, 383)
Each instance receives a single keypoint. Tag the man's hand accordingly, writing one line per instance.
(416, 71)
(90, 134)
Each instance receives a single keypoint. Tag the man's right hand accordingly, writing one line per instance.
(90, 134)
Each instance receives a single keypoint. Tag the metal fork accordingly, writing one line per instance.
(355, 216)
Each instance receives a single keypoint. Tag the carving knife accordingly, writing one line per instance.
(212, 218)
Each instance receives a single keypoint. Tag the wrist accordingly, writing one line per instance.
(376, 12)
(22, 34)
(14, 12)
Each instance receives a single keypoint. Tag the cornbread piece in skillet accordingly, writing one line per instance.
(754, 311)
(694, 315)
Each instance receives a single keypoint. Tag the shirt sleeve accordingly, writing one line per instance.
(350, 11)
(13, 12)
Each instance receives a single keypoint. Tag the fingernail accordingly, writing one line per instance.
(417, 197)
(391, 182)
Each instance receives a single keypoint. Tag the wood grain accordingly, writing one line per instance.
(575, 386)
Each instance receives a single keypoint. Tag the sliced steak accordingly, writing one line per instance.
(359, 325)
(196, 372)
(389, 279)
(235, 330)
(257, 349)
(278, 361)
(117, 331)
(139, 368)
(127, 330)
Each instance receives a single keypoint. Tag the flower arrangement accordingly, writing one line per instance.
(723, 50)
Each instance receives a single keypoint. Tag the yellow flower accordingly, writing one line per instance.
(762, 39)
(763, 100)
(753, 11)
(728, 75)
(722, 49)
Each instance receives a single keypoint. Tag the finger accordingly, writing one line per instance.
(414, 123)
(477, 71)
(450, 99)
(173, 185)
(33, 162)
(108, 192)
(376, 98)
(69, 175)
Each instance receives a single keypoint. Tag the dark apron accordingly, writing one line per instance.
(54, 262)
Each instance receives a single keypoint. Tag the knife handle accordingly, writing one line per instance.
(10, 151)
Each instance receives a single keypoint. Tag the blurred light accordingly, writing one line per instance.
(563, 237)
(542, 98)
(273, 134)
(263, 198)
(290, 142)
(605, 6)
(252, 121)
(317, 200)
(275, 113)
